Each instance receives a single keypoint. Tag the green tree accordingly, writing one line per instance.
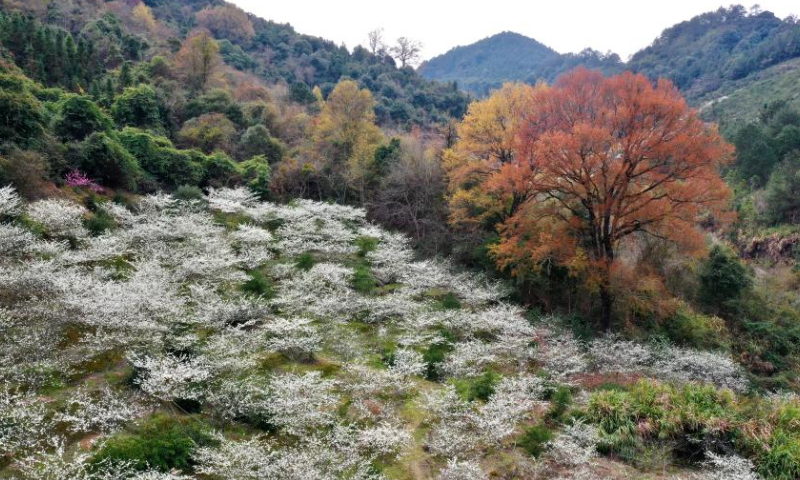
(105, 159)
(159, 158)
(215, 101)
(755, 154)
(257, 141)
(723, 278)
(22, 120)
(220, 171)
(79, 117)
(783, 192)
(257, 173)
(209, 132)
(138, 107)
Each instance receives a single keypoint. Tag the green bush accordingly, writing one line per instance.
(79, 117)
(366, 244)
(436, 353)
(535, 439)
(692, 418)
(560, 400)
(363, 280)
(480, 388)
(257, 174)
(188, 193)
(161, 442)
(305, 261)
(723, 278)
(782, 193)
(137, 107)
(220, 170)
(99, 223)
(256, 141)
(23, 120)
(693, 329)
(160, 158)
(259, 285)
(450, 302)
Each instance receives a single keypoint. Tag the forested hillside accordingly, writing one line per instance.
(231, 251)
(703, 56)
(703, 53)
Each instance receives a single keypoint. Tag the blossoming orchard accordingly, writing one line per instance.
(298, 341)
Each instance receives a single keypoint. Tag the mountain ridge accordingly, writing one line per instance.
(700, 55)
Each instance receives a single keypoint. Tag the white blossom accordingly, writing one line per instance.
(169, 377)
(10, 203)
(462, 470)
(575, 445)
(60, 218)
(297, 338)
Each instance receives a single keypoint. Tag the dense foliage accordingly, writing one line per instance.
(728, 44)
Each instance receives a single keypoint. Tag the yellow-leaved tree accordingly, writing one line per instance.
(487, 141)
(345, 137)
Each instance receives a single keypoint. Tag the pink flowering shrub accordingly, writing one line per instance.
(78, 179)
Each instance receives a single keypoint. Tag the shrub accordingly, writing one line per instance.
(26, 170)
(450, 302)
(436, 353)
(366, 244)
(560, 399)
(220, 171)
(480, 388)
(688, 328)
(535, 439)
(188, 193)
(158, 157)
(782, 193)
(99, 223)
(23, 120)
(686, 419)
(305, 261)
(208, 132)
(363, 280)
(160, 442)
(259, 285)
(215, 101)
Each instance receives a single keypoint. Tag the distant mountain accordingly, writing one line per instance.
(507, 56)
(701, 55)
(489, 62)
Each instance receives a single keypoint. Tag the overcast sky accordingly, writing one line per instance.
(623, 26)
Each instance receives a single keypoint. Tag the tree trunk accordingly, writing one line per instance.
(606, 305)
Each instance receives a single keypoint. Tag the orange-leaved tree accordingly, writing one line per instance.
(599, 161)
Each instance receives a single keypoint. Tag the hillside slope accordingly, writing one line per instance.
(741, 101)
(233, 339)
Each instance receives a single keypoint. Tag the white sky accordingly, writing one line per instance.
(623, 26)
